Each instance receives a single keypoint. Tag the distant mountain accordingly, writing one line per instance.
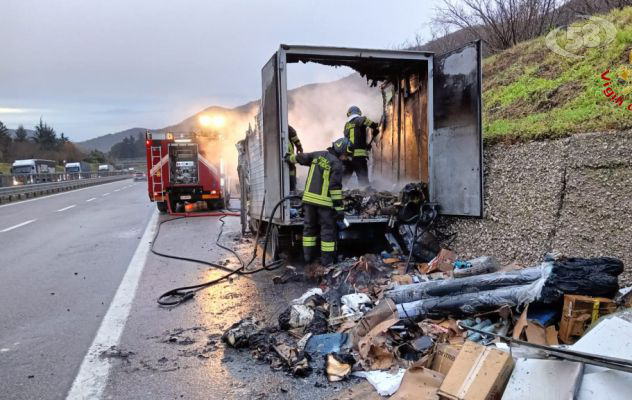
(105, 142)
(316, 110)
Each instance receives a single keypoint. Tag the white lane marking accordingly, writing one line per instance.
(117, 190)
(57, 194)
(90, 199)
(106, 194)
(18, 225)
(67, 208)
(93, 373)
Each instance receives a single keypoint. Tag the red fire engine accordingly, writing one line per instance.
(185, 168)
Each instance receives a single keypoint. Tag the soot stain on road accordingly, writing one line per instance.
(179, 351)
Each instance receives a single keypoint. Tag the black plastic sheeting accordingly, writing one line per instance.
(588, 277)
(596, 277)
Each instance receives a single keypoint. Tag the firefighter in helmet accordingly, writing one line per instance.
(322, 199)
(356, 132)
(294, 142)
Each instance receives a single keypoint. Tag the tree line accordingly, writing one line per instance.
(502, 24)
(45, 144)
(129, 147)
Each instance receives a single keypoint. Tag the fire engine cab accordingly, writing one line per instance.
(185, 168)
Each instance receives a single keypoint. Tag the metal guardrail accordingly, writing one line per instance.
(30, 179)
(18, 192)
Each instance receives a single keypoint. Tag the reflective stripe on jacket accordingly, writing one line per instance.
(294, 140)
(356, 132)
(324, 179)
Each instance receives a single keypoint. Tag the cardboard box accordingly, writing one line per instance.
(419, 384)
(478, 373)
(444, 358)
(442, 262)
(580, 312)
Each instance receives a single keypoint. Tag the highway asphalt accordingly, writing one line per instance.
(79, 318)
(62, 258)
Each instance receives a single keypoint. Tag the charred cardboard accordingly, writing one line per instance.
(478, 373)
(444, 358)
(442, 262)
(419, 384)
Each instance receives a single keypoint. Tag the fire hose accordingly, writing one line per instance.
(177, 296)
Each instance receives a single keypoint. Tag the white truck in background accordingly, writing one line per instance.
(104, 169)
(77, 170)
(32, 171)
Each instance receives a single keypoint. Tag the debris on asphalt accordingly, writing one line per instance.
(338, 366)
(413, 334)
(117, 353)
(385, 382)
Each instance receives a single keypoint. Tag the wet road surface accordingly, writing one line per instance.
(62, 259)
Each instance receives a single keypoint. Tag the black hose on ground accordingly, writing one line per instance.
(179, 295)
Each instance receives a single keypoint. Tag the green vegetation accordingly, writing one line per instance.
(529, 92)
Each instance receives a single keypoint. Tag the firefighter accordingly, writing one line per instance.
(355, 131)
(322, 199)
(294, 142)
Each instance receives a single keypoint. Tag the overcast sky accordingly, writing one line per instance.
(91, 67)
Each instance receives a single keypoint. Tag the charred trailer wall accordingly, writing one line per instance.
(401, 153)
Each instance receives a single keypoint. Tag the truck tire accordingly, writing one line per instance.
(162, 206)
(273, 250)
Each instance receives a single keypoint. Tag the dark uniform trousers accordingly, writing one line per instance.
(360, 166)
(315, 218)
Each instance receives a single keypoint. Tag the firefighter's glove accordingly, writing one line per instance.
(340, 215)
(288, 158)
(299, 148)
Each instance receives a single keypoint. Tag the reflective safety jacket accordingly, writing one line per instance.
(355, 131)
(324, 179)
(294, 140)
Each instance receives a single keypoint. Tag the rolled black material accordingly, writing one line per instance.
(547, 283)
(471, 284)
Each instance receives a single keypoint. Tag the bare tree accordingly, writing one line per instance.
(500, 23)
(596, 6)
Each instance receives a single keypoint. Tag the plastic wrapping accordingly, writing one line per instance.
(471, 303)
(471, 284)
(477, 266)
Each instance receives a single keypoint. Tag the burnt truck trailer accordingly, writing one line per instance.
(431, 132)
(185, 168)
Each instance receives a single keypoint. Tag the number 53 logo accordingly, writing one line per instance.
(588, 35)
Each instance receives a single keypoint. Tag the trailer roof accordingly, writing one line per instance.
(374, 64)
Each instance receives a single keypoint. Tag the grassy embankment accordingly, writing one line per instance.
(530, 93)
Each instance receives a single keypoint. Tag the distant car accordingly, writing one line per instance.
(139, 176)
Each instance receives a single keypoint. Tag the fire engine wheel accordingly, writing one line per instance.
(162, 206)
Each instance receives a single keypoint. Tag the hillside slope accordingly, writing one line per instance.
(529, 92)
(105, 142)
(320, 107)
